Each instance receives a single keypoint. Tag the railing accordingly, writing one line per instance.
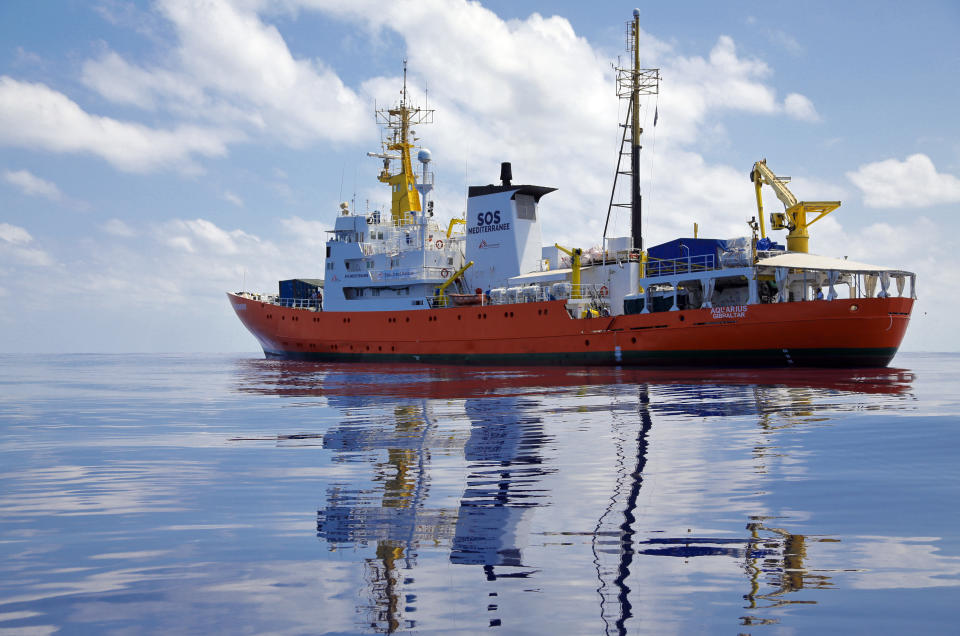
(298, 303)
(672, 266)
(536, 293)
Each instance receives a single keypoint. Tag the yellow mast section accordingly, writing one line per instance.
(398, 120)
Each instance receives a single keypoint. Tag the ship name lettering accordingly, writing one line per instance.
(736, 311)
(240, 306)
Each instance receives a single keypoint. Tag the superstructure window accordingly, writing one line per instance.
(526, 207)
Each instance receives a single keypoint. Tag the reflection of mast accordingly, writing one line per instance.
(400, 522)
(626, 530)
(398, 490)
(774, 553)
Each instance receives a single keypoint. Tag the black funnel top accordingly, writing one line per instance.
(506, 173)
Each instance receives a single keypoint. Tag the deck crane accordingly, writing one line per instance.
(794, 216)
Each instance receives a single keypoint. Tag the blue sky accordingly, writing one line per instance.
(156, 154)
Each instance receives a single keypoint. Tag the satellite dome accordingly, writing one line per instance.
(636, 13)
(424, 156)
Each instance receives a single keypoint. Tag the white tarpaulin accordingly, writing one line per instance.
(796, 260)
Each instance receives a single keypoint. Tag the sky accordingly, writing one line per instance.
(154, 155)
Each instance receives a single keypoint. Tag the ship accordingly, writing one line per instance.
(399, 286)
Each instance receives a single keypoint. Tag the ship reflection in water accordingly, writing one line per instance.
(499, 488)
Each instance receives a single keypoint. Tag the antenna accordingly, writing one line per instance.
(403, 99)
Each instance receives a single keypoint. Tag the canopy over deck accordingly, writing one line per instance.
(797, 260)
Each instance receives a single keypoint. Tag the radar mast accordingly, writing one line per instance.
(398, 121)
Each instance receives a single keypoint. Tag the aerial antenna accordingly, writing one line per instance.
(403, 99)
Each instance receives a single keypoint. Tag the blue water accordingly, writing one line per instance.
(231, 494)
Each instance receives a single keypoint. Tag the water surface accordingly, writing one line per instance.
(190, 494)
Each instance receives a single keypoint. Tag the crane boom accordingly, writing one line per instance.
(794, 216)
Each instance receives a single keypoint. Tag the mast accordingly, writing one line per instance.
(636, 216)
(398, 121)
(632, 83)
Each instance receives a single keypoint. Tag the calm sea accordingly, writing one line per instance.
(231, 494)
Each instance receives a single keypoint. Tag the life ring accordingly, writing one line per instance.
(604, 291)
(439, 244)
(444, 272)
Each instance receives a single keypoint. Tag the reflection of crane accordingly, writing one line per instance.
(794, 216)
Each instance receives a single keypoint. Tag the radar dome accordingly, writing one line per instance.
(424, 156)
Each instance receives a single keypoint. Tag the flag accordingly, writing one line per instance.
(656, 115)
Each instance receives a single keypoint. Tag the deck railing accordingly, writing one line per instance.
(298, 303)
(685, 265)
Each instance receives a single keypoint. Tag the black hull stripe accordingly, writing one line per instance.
(875, 357)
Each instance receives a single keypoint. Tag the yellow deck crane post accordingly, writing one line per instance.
(794, 216)
(574, 255)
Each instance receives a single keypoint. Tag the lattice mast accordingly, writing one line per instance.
(398, 122)
(632, 83)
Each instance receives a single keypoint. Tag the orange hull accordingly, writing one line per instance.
(851, 333)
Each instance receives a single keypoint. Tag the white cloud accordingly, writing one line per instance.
(14, 234)
(490, 79)
(202, 235)
(36, 116)
(912, 183)
(116, 227)
(232, 198)
(800, 107)
(15, 250)
(25, 57)
(229, 66)
(32, 185)
(310, 233)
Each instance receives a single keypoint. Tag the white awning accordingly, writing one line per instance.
(548, 276)
(798, 260)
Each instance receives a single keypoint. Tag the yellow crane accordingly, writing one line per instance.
(575, 255)
(441, 297)
(794, 216)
